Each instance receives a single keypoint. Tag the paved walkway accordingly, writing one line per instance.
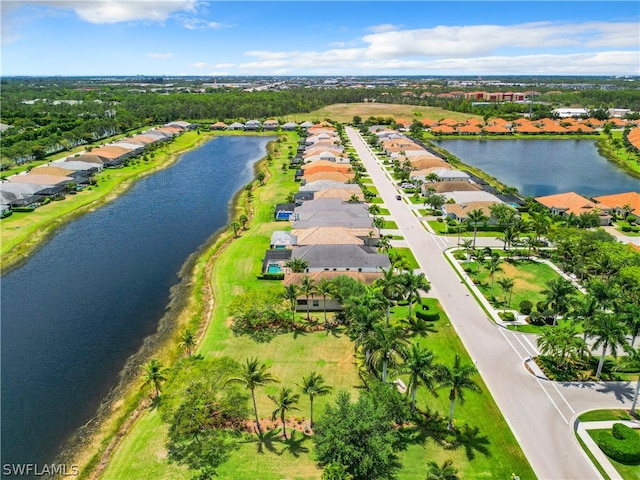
(603, 460)
(537, 411)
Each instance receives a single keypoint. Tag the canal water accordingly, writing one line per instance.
(82, 304)
(544, 167)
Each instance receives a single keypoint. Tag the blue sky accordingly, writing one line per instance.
(194, 37)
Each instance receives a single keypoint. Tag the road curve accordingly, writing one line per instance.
(539, 412)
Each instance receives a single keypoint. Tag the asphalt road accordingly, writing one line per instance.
(540, 413)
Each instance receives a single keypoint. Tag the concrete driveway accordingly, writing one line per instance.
(540, 413)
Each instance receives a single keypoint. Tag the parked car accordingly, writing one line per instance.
(398, 197)
(407, 185)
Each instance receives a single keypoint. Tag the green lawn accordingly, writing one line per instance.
(530, 279)
(390, 225)
(490, 452)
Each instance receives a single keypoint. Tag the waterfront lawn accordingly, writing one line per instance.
(492, 452)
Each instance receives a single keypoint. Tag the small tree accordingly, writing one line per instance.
(458, 380)
(260, 176)
(313, 385)
(285, 401)
(187, 341)
(153, 372)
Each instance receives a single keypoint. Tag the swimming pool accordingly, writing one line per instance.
(274, 268)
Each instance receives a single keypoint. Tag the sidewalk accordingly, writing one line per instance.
(581, 429)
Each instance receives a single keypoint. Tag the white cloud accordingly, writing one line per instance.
(192, 23)
(385, 27)
(160, 56)
(199, 64)
(114, 11)
(543, 47)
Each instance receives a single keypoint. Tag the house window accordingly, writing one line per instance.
(301, 301)
(315, 303)
(360, 269)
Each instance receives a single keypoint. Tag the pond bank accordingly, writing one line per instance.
(190, 307)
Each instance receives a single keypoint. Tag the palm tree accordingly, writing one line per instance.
(493, 265)
(384, 243)
(561, 343)
(243, 219)
(153, 372)
(458, 380)
(325, 288)
(558, 295)
(254, 375)
(378, 222)
(291, 293)
(285, 401)
(507, 284)
(235, 226)
(297, 265)
(307, 288)
(412, 284)
(541, 221)
(632, 361)
(419, 365)
(387, 344)
(446, 471)
(187, 341)
(313, 385)
(389, 285)
(610, 333)
(476, 217)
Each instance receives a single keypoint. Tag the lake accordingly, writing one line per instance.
(544, 167)
(83, 303)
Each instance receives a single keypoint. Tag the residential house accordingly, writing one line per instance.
(460, 211)
(270, 124)
(318, 185)
(236, 126)
(281, 239)
(289, 126)
(284, 211)
(563, 204)
(218, 126)
(470, 196)
(447, 174)
(622, 204)
(345, 258)
(334, 236)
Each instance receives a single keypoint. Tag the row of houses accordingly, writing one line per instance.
(28, 190)
(462, 191)
(330, 229)
(255, 125)
(499, 126)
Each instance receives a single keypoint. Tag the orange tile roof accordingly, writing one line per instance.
(331, 235)
(335, 176)
(580, 127)
(39, 179)
(333, 166)
(449, 121)
(341, 193)
(570, 202)
(461, 210)
(469, 129)
(620, 200)
(421, 163)
(427, 122)
(496, 129)
(443, 129)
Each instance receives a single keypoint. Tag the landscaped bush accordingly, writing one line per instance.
(459, 255)
(525, 307)
(272, 276)
(536, 318)
(622, 444)
(427, 316)
(541, 306)
(507, 316)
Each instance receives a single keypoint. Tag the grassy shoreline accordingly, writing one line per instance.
(190, 306)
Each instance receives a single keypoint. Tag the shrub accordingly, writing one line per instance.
(525, 307)
(507, 316)
(541, 306)
(548, 315)
(622, 444)
(535, 318)
(272, 276)
(427, 316)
